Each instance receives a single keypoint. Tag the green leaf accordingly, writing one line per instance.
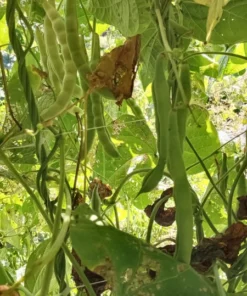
(4, 277)
(204, 138)
(34, 280)
(151, 47)
(37, 12)
(203, 65)
(135, 133)
(231, 65)
(7, 226)
(130, 17)
(4, 36)
(111, 170)
(131, 266)
(231, 28)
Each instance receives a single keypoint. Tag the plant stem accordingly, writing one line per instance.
(205, 197)
(234, 185)
(214, 52)
(209, 176)
(168, 50)
(152, 217)
(221, 291)
(215, 151)
(49, 269)
(12, 169)
(79, 270)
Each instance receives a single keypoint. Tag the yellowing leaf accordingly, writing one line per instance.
(4, 36)
(214, 15)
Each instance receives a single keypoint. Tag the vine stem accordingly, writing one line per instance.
(214, 52)
(207, 194)
(168, 51)
(78, 269)
(221, 291)
(6, 92)
(12, 169)
(152, 217)
(215, 151)
(234, 185)
(209, 177)
(57, 220)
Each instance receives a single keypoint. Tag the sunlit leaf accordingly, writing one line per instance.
(131, 266)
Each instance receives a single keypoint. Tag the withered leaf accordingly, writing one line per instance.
(104, 190)
(99, 283)
(164, 217)
(242, 208)
(225, 246)
(116, 70)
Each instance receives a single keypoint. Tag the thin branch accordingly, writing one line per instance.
(6, 92)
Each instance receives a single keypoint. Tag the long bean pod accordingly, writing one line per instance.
(54, 59)
(39, 37)
(98, 107)
(223, 170)
(241, 187)
(100, 125)
(162, 107)
(182, 193)
(182, 112)
(136, 110)
(77, 53)
(90, 127)
(69, 79)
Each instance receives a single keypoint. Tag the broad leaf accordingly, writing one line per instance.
(135, 133)
(231, 28)
(151, 46)
(203, 136)
(131, 266)
(111, 170)
(231, 65)
(130, 17)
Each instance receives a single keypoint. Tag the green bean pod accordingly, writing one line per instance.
(241, 187)
(77, 53)
(53, 78)
(162, 107)
(39, 37)
(69, 79)
(52, 50)
(96, 200)
(53, 54)
(90, 127)
(136, 110)
(223, 170)
(100, 125)
(182, 193)
(98, 107)
(182, 112)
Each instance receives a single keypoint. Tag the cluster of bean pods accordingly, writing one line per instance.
(61, 35)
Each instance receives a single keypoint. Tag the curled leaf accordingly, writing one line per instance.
(116, 70)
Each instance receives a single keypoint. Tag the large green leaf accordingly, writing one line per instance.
(131, 266)
(129, 17)
(151, 47)
(231, 28)
(135, 133)
(111, 170)
(203, 136)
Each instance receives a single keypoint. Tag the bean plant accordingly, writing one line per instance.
(113, 177)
